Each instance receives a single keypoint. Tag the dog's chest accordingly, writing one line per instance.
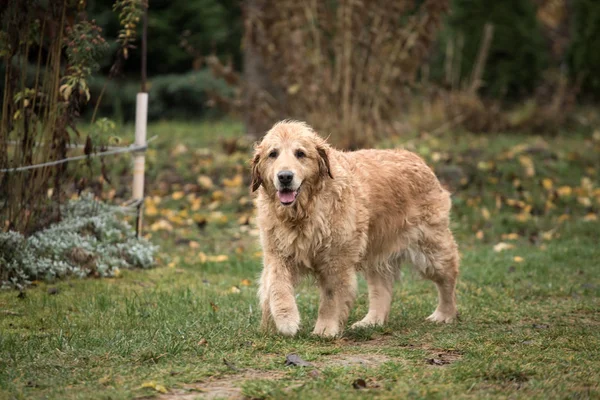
(308, 244)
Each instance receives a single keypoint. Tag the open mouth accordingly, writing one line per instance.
(287, 196)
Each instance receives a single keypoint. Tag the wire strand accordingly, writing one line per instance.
(128, 149)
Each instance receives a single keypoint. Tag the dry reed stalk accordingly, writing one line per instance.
(484, 49)
(341, 66)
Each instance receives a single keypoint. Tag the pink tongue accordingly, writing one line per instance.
(286, 197)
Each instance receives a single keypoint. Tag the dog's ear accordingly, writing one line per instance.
(256, 178)
(324, 166)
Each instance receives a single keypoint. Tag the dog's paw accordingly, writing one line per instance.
(367, 322)
(326, 329)
(287, 328)
(441, 317)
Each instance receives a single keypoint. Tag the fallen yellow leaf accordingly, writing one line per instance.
(214, 205)
(502, 246)
(293, 89)
(479, 235)
(548, 235)
(547, 183)
(161, 389)
(236, 181)
(522, 217)
(196, 203)
(246, 282)
(485, 213)
(527, 163)
(183, 213)
(590, 217)
(564, 217)
(176, 219)
(235, 289)
(510, 236)
(162, 225)
(518, 259)
(515, 203)
(584, 201)
(564, 191)
(219, 258)
(484, 166)
(177, 195)
(218, 195)
(155, 386)
(150, 210)
(179, 150)
(205, 182)
(549, 205)
(587, 184)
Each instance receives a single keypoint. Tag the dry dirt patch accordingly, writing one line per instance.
(353, 360)
(364, 355)
(220, 387)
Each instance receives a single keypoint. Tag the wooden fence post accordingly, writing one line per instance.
(139, 159)
(141, 121)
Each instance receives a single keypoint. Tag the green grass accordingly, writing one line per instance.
(528, 329)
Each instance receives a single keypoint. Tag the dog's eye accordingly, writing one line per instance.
(273, 154)
(300, 154)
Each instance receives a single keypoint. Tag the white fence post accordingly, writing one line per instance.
(139, 159)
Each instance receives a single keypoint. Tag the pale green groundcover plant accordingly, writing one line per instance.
(92, 238)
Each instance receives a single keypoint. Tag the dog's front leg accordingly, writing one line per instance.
(276, 292)
(338, 291)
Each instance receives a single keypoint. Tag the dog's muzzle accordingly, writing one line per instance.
(285, 187)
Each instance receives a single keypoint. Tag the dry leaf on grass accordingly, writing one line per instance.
(502, 246)
(295, 360)
(153, 385)
(359, 384)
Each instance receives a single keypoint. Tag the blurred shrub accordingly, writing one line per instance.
(170, 96)
(584, 54)
(92, 239)
(517, 53)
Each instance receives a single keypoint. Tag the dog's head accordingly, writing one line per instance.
(290, 158)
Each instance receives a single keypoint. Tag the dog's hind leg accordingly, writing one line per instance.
(338, 291)
(380, 283)
(437, 259)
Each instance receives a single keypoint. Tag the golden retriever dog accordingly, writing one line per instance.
(332, 214)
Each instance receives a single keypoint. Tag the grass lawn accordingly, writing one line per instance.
(526, 219)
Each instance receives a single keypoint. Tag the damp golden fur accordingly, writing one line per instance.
(333, 214)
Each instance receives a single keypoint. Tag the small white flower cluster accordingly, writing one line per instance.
(91, 239)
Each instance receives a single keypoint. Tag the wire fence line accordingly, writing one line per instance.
(112, 151)
(69, 146)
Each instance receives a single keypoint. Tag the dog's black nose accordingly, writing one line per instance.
(285, 177)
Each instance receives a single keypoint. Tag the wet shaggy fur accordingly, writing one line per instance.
(364, 211)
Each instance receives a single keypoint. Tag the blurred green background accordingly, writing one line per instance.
(532, 40)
